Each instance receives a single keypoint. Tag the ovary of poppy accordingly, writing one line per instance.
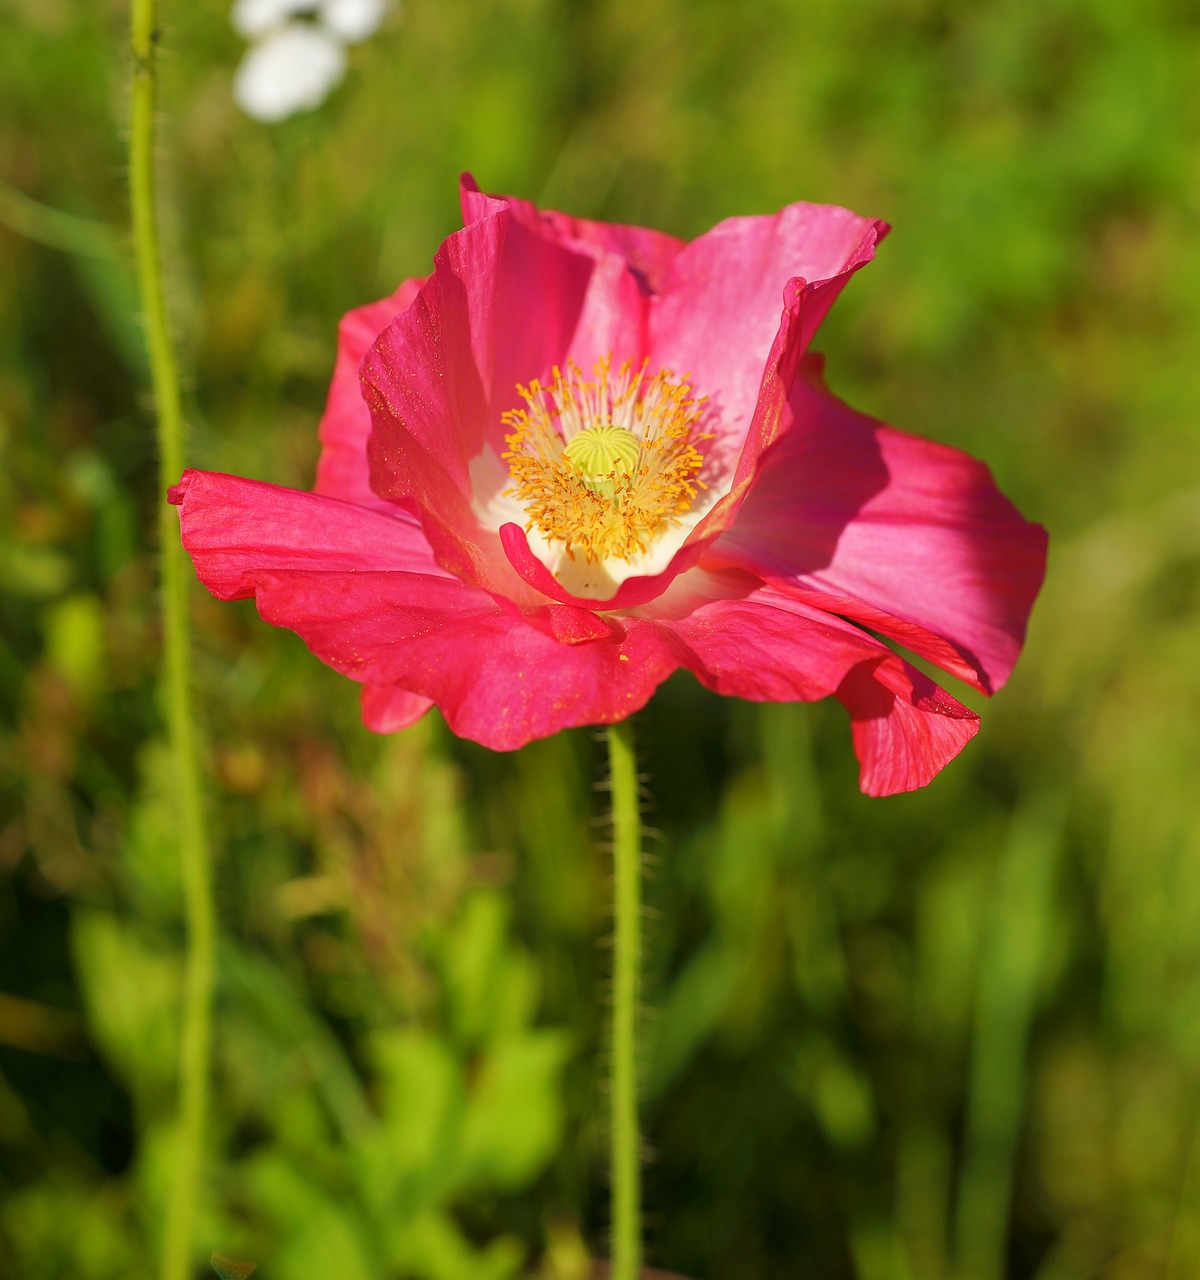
(579, 456)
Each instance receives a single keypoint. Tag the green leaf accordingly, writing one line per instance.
(514, 1112)
(132, 994)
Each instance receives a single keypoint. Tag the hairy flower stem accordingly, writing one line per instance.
(184, 1191)
(627, 960)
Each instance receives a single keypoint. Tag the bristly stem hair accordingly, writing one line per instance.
(627, 961)
(195, 1046)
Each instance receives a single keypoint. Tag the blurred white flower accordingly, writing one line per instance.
(353, 20)
(293, 64)
(256, 17)
(290, 69)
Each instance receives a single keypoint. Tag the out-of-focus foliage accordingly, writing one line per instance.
(948, 1036)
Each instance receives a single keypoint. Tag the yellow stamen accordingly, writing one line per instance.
(604, 466)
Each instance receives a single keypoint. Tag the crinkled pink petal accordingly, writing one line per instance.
(502, 307)
(909, 537)
(342, 470)
(233, 528)
(615, 313)
(388, 708)
(647, 253)
(719, 311)
(498, 679)
(632, 592)
(749, 642)
(767, 646)
(905, 729)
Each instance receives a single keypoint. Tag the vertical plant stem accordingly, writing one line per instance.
(627, 960)
(184, 1191)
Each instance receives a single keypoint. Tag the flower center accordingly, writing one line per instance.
(604, 466)
(602, 453)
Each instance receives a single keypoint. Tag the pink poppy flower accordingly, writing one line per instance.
(580, 456)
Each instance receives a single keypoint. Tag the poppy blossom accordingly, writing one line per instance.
(579, 456)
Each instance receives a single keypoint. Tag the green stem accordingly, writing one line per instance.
(627, 958)
(184, 1192)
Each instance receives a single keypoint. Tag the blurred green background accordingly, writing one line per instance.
(947, 1036)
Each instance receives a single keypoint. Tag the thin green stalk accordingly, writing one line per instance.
(627, 960)
(184, 1192)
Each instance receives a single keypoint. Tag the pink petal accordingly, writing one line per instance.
(767, 646)
(234, 528)
(647, 253)
(905, 728)
(632, 592)
(721, 304)
(388, 708)
(909, 537)
(503, 306)
(342, 467)
(497, 678)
